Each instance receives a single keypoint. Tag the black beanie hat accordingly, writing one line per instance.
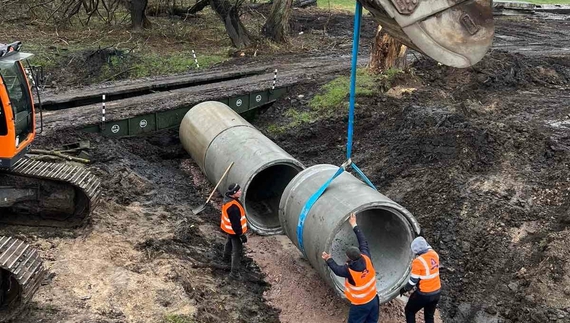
(353, 253)
(233, 188)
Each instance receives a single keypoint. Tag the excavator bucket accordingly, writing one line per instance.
(457, 33)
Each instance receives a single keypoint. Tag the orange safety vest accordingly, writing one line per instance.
(426, 268)
(364, 289)
(226, 224)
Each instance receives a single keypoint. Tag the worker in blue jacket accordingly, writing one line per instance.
(360, 279)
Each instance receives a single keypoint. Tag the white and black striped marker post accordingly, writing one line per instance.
(195, 59)
(103, 113)
(274, 80)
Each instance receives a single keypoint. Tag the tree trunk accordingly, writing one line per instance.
(138, 14)
(277, 25)
(229, 13)
(387, 52)
(198, 6)
(160, 8)
(304, 3)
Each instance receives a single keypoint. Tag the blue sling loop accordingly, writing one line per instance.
(313, 199)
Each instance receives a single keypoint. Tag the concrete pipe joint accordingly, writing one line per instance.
(388, 227)
(215, 135)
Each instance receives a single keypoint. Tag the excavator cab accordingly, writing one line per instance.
(17, 120)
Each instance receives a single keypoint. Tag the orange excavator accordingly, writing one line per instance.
(32, 192)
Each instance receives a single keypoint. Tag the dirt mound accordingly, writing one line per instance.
(479, 156)
(85, 67)
(499, 71)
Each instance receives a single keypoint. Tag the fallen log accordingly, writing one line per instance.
(59, 154)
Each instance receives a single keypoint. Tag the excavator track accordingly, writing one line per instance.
(45, 180)
(21, 274)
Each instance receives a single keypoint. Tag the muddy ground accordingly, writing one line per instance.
(480, 156)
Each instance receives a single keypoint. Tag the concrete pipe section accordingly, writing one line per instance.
(215, 135)
(388, 227)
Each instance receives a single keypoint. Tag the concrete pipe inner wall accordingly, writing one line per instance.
(215, 135)
(388, 227)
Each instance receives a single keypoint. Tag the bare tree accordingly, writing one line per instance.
(138, 13)
(228, 11)
(66, 12)
(174, 9)
(277, 25)
(387, 52)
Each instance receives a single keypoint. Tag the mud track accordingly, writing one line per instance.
(534, 35)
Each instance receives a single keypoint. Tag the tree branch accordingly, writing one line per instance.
(59, 154)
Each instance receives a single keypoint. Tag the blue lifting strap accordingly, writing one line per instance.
(353, 65)
(313, 199)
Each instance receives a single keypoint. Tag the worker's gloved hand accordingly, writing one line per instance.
(402, 291)
(243, 238)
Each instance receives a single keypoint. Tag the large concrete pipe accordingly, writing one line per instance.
(215, 135)
(388, 227)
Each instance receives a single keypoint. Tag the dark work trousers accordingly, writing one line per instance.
(233, 249)
(418, 301)
(365, 313)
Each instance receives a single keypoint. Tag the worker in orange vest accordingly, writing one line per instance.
(425, 277)
(234, 224)
(360, 279)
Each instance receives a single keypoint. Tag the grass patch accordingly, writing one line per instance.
(296, 118)
(65, 51)
(347, 5)
(175, 318)
(332, 96)
(154, 64)
(388, 76)
(336, 92)
(300, 117)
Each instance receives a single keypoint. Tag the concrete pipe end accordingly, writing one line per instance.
(202, 124)
(262, 194)
(389, 230)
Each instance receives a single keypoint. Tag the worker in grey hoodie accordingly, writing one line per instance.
(424, 277)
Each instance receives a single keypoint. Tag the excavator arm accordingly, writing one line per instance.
(457, 33)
